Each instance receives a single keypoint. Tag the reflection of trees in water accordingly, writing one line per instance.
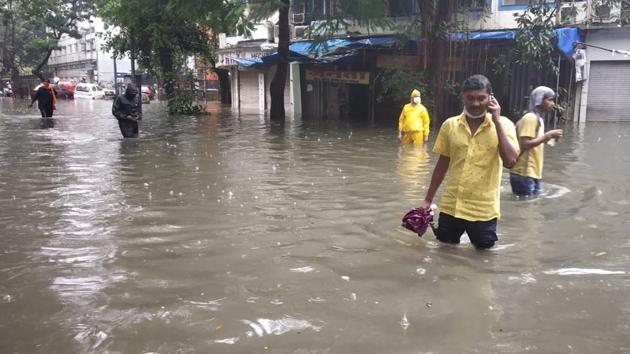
(413, 169)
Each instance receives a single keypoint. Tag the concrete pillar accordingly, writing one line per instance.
(235, 88)
(295, 89)
(584, 97)
(261, 92)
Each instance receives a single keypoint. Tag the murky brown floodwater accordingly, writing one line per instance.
(222, 234)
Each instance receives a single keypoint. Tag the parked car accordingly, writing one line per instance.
(109, 93)
(148, 90)
(92, 91)
(66, 89)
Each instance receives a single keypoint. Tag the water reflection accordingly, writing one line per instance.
(413, 169)
(225, 233)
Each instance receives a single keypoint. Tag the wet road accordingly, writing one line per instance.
(223, 234)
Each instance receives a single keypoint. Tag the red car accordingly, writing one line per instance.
(148, 90)
(66, 89)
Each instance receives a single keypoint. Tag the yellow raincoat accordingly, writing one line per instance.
(413, 124)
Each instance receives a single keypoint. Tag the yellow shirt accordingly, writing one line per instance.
(530, 162)
(414, 118)
(475, 167)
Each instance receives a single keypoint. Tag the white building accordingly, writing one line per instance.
(250, 86)
(85, 59)
(605, 88)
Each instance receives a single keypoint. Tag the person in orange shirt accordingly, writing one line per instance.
(473, 148)
(413, 124)
(46, 99)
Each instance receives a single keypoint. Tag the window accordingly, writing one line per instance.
(518, 4)
(475, 4)
(400, 8)
(316, 9)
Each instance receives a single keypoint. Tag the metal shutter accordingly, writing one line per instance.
(609, 92)
(248, 81)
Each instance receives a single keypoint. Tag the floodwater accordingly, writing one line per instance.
(225, 234)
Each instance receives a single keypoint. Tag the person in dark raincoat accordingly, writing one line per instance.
(127, 112)
(46, 99)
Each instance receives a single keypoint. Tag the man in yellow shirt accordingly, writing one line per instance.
(472, 146)
(413, 123)
(526, 174)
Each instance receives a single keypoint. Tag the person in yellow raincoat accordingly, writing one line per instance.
(413, 124)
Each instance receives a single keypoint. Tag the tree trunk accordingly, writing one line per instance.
(166, 62)
(280, 78)
(224, 85)
(435, 13)
(38, 70)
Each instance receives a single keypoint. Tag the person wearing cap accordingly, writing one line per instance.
(413, 123)
(526, 174)
(472, 149)
(46, 99)
(126, 110)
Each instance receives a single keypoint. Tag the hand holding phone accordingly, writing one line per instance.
(494, 108)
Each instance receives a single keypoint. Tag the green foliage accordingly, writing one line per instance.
(184, 103)
(562, 102)
(32, 29)
(535, 36)
(393, 87)
(161, 34)
(500, 64)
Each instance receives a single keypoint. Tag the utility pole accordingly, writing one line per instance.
(137, 80)
(115, 77)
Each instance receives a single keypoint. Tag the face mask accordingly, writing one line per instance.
(416, 100)
(483, 114)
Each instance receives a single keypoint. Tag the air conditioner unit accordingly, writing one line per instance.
(298, 19)
(625, 11)
(603, 14)
(568, 14)
(300, 32)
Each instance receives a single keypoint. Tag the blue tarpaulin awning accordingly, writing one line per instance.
(338, 50)
(565, 37)
(330, 51)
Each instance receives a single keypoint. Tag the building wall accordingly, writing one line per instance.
(611, 38)
(75, 58)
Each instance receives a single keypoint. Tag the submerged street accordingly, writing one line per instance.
(226, 234)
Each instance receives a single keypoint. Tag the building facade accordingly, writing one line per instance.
(85, 59)
(593, 85)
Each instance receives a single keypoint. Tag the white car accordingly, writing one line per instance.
(109, 93)
(92, 91)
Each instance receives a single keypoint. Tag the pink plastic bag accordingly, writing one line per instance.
(418, 220)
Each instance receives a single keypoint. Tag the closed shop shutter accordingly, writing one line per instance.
(249, 90)
(609, 92)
